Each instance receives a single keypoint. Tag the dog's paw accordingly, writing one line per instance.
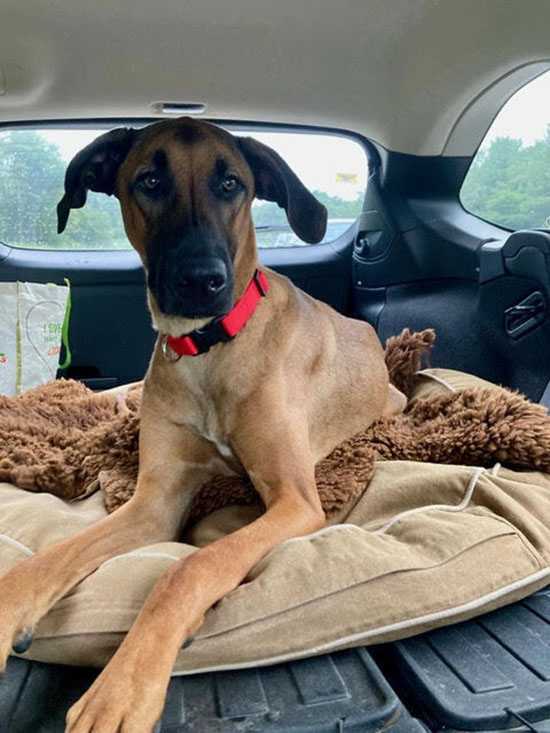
(119, 700)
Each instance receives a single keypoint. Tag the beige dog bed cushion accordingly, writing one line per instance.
(426, 545)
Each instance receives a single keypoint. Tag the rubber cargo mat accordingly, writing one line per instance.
(488, 674)
(335, 692)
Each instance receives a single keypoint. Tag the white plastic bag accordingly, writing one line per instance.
(8, 344)
(33, 324)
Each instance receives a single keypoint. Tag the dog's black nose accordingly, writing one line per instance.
(193, 287)
(207, 277)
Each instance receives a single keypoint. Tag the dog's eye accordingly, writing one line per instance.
(229, 184)
(150, 181)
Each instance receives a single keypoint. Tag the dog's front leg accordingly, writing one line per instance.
(174, 462)
(129, 694)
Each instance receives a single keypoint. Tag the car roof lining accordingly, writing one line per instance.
(477, 117)
(415, 76)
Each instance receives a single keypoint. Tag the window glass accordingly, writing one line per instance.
(334, 169)
(33, 163)
(509, 180)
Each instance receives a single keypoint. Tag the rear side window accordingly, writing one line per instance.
(33, 163)
(509, 180)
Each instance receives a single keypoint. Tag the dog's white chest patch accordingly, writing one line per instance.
(224, 449)
(209, 428)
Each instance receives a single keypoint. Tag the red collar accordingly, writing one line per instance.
(220, 329)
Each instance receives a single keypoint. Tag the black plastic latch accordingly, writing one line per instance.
(526, 315)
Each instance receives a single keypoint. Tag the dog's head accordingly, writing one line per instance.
(185, 189)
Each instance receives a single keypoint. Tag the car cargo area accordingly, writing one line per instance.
(388, 159)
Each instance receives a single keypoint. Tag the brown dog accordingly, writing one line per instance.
(297, 379)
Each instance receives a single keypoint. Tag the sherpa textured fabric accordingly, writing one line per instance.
(63, 439)
(424, 546)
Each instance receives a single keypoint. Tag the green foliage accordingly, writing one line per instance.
(29, 168)
(509, 183)
(98, 225)
(341, 208)
(31, 184)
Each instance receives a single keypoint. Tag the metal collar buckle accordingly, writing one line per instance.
(167, 351)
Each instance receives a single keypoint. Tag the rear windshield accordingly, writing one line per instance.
(33, 163)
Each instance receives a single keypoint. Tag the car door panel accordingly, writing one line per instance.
(443, 268)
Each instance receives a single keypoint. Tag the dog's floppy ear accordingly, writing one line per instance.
(94, 168)
(275, 181)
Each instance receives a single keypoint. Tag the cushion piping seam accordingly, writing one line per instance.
(16, 544)
(365, 635)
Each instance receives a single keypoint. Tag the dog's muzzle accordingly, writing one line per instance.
(200, 288)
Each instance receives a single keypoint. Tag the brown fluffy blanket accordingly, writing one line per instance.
(63, 439)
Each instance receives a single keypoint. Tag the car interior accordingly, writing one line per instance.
(424, 127)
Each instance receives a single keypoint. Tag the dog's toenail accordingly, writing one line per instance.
(23, 642)
(187, 643)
